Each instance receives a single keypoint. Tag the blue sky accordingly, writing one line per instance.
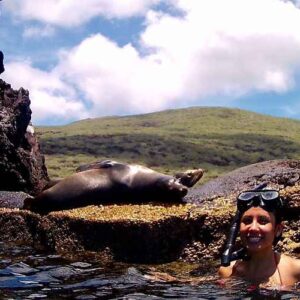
(93, 58)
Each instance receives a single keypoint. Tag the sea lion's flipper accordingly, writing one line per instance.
(103, 164)
(51, 183)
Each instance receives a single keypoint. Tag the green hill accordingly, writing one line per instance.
(217, 139)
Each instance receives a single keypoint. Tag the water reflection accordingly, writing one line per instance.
(27, 274)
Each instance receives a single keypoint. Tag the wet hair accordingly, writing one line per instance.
(278, 216)
(278, 219)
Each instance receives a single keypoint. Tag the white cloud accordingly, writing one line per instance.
(208, 52)
(50, 97)
(227, 48)
(230, 46)
(76, 12)
(118, 79)
(37, 32)
(296, 2)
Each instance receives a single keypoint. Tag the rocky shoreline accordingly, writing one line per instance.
(147, 233)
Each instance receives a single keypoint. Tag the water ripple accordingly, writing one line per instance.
(27, 274)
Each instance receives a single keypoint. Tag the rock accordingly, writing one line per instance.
(279, 174)
(1, 62)
(21, 268)
(81, 265)
(12, 199)
(22, 166)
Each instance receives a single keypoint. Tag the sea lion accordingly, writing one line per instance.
(52, 182)
(187, 178)
(111, 182)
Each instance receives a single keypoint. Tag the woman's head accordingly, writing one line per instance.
(259, 229)
(266, 202)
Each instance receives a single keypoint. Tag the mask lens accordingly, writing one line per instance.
(270, 195)
(267, 199)
(246, 196)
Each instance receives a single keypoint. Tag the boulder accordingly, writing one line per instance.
(278, 174)
(22, 166)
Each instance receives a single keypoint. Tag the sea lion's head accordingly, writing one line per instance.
(190, 177)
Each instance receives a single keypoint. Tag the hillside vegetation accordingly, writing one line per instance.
(216, 139)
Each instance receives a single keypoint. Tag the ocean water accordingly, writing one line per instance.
(29, 274)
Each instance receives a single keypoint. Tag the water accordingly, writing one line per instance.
(28, 274)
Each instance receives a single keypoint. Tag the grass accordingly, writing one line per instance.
(216, 139)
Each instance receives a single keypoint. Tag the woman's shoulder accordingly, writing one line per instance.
(287, 259)
(290, 264)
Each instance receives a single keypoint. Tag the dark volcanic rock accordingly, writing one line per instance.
(277, 173)
(1, 62)
(12, 199)
(22, 167)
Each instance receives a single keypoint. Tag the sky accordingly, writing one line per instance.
(93, 58)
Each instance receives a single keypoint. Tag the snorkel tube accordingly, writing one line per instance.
(228, 255)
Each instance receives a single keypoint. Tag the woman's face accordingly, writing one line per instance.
(258, 229)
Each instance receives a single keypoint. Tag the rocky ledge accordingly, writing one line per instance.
(22, 166)
(148, 233)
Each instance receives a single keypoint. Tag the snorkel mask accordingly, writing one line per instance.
(267, 199)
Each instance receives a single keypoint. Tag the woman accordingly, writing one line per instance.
(260, 228)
